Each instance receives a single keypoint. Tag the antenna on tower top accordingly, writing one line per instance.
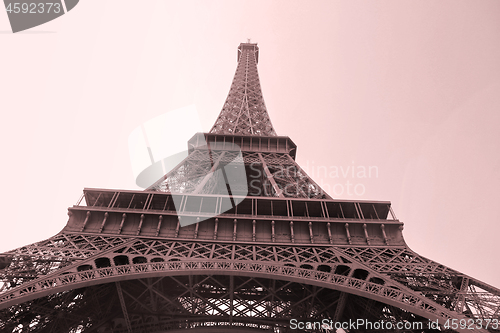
(248, 40)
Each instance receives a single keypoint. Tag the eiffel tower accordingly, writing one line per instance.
(236, 238)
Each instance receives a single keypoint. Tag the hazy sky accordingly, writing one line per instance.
(409, 87)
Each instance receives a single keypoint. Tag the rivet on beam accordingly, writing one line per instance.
(292, 236)
(160, 219)
(103, 221)
(215, 228)
(178, 226)
(86, 220)
(196, 227)
(348, 233)
(311, 232)
(272, 228)
(329, 232)
(140, 225)
(253, 231)
(235, 222)
(382, 226)
(366, 234)
(124, 216)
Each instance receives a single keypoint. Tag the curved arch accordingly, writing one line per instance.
(102, 262)
(377, 280)
(121, 260)
(385, 294)
(324, 268)
(85, 267)
(343, 270)
(157, 259)
(360, 273)
(139, 260)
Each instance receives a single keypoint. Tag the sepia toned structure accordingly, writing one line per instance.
(247, 248)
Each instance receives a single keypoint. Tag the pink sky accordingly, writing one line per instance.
(411, 87)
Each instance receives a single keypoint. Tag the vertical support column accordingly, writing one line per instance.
(196, 228)
(311, 232)
(215, 228)
(253, 230)
(276, 188)
(329, 232)
(124, 308)
(292, 236)
(178, 226)
(461, 298)
(231, 298)
(339, 310)
(235, 223)
(272, 232)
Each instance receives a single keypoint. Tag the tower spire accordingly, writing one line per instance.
(244, 111)
(242, 150)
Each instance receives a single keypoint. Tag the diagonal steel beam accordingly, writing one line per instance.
(339, 310)
(124, 307)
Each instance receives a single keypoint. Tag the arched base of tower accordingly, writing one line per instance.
(205, 303)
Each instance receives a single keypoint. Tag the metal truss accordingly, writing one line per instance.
(259, 251)
(337, 269)
(267, 175)
(178, 303)
(244, 111)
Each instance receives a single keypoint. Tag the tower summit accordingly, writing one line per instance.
(244, 111)
(236, 238)
(261, 163)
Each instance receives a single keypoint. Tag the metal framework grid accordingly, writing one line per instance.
(123, 263)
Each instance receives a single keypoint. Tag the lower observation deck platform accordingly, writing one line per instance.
(254, 219)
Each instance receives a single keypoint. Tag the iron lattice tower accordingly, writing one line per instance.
(271, 248)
